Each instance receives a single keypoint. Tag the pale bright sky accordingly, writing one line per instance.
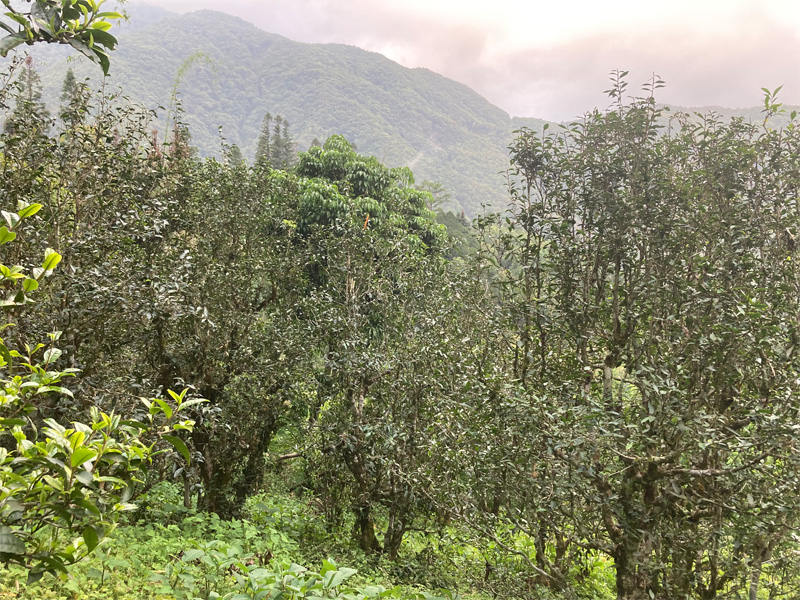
(551, 59)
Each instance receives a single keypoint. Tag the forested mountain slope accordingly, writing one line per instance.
(228, 74)
(442, 129)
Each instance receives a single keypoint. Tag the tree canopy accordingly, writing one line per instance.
(595, 395)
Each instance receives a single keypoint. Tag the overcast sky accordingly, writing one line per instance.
(551, 59)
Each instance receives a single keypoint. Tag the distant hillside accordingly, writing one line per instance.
(442, 129)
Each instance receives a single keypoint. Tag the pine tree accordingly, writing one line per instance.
(287, 147)
(69, 88)
(284, 155)
(275, 144)
(70, 99)
(31, 90)
(235, 155)
(30, 110)
(263, 149)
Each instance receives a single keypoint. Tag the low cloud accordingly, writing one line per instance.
(718, 69)
(702, 65)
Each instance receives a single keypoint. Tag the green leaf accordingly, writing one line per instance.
(178, 397)
(164, 406)
(81, 455)
(10, 42)
(190, 402)
(103, 38)
(34, 576)
(180, 446)
(24, 22)
(336, 578)
(328, 565)
(56, 464)
(118, 563)
(90, 537)
(101, 58)
(10, 543)
(86, 505)
(51, 259)
(52, 355)
(6, 236)
(29, 211)
(11, 218)
(192, 554)
(5, 353)
(76, 438)
(29, 285)
(55, 425)
(46, 389)
(135, 424)
(81, 47)
(70, 13)
(85, 477)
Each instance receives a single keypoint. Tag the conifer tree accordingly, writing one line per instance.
(283, 146)
(263, 149)
(275, 143)
(235, 155)
(288, 147)
(30, 110)
(69, 88)
(70, 94)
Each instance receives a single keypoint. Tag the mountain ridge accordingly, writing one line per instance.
(403, 116)
(233, 73)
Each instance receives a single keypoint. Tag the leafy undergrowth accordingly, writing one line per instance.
(170, 553)
(281, 550)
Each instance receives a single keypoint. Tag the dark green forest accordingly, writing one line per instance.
(292, 375)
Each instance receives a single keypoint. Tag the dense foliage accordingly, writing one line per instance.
(593, 394)
(59, 480)
(649, 285)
